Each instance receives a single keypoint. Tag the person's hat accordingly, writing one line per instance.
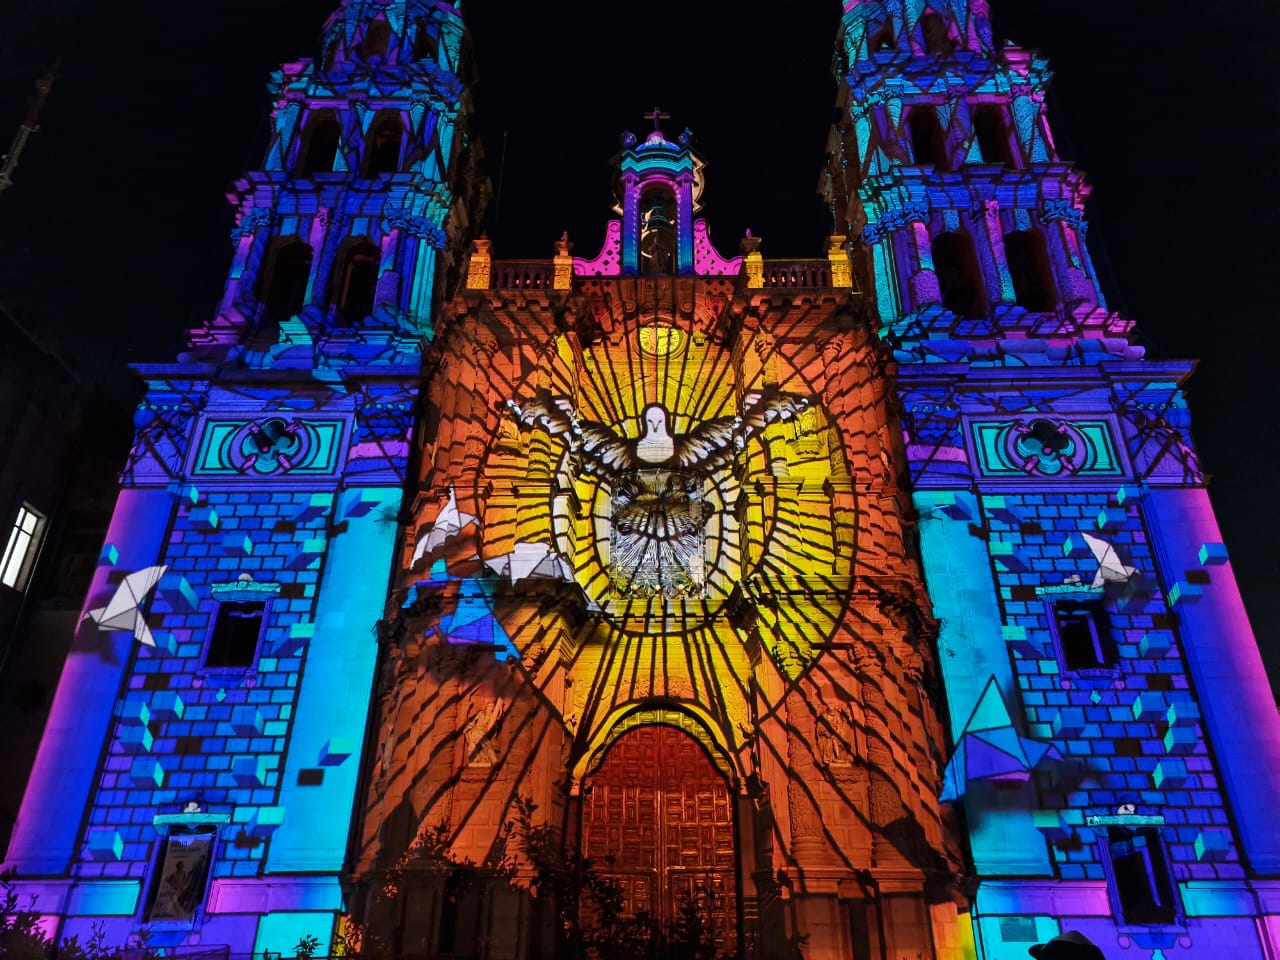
(1072, 945)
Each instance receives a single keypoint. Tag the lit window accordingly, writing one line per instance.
(181, 876)
(23, 547)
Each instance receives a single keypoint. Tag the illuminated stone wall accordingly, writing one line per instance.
(217, 692)
(577, 422)
(1106, 700)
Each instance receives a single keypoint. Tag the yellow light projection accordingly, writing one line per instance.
(660, 503)
(674, 476)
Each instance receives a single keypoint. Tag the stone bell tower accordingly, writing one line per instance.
(197, 775)
(656, 583)
(1113, 741)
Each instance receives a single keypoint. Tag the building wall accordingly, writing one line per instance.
(1052, 466)
(268, 466)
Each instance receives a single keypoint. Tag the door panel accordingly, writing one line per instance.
(664, 815)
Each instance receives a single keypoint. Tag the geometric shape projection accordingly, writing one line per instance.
(146, 772)
(176, 592)
(1110, 568)
(105, 844)
(336, 751)
(122, 613)
(1213, 554)
(990, 748)
(1212, 846)
(250, 771)
(246, 721)
(265, 821)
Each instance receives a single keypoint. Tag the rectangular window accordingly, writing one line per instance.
(1082, 634)
(181, 877)
(22, 547)
(236, 629)
(1140, 875)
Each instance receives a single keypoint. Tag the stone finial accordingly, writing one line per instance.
(752, 261)
(841, 268)
(480, 266)
(563, 279)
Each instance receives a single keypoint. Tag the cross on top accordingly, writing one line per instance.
(657, 116)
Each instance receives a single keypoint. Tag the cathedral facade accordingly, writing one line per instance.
(861, 606)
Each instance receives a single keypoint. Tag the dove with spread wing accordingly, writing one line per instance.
(706, 448)
(123, 612)
(657, 481)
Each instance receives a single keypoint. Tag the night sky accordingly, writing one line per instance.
(115, 237)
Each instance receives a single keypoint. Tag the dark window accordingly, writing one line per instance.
(377, 39)
(459, 919)
(382, 147)
(993, 135)
(934, 31)
(928, 143)
(283, 287)
(1083, 634)
(319, 145)
(330, 56)
(1140, 873)
(236, 628)
(882, 39)
(1029, 270)
(959, 276)
(424, 45)
(355, 281)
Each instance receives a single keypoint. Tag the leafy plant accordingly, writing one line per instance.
(22, 937)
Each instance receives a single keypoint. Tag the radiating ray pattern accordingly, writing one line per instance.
(801, 662)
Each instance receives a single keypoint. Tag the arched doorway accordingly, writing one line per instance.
(658, 817)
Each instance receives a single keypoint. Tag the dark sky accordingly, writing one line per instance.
(114, 238)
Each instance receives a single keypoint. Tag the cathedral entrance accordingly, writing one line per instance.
(664, 813)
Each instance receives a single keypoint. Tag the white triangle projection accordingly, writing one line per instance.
(531, 559)
(1110, 569)
(122, 614)
(449, 523)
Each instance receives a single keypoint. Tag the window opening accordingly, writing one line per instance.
(424, 45)
(459, 919)
(383, 146)
(882, 39)
(319, 145)
(377, 40)
(181, 876)
(22, 548)
(1143, 884)
(356, 282)
(928, 142)
(959, 276)
(1030, 271)
(658, 231)
(992, 134)
(283, 291)
(934, 31)
(1082, 632)
(237, 625)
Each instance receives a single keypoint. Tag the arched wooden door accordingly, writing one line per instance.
(663, 812)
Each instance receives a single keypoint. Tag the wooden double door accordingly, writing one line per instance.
(664, 814)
